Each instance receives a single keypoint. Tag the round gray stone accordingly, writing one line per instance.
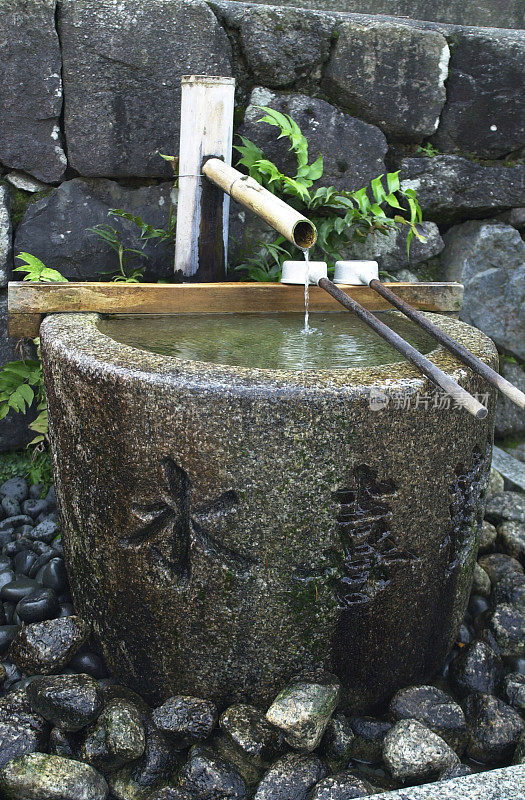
(48, 777)
(435, 709)
(303, 709)
(291, 778)
(117, 737)
(494, 728)
(343, 786)
(412, 752)
(511, 539)
(70, 702)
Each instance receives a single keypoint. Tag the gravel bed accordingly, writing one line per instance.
(68, 731)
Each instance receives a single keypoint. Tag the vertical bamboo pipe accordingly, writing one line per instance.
(206, 129)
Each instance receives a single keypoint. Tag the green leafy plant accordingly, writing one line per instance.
(32, 463)
(147, 233)
(22, 382)
(340, 216)
(427, 150)
(35, 270)
(113, 238)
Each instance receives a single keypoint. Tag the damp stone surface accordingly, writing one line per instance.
(226, 528)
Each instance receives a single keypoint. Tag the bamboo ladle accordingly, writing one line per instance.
(296, 272)
(366, 272)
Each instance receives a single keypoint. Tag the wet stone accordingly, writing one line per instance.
(519, 753)
(7, 634)
(62, 744)
(186, 719)
(456, 771)
(412, 752)
(291, 778)
(151, 771)
(481, 582)
(65, 610)
(336, 744)
(251, 732)
(514, 690)
(510, 590)
(22, 731)
(46, 647)
(6, 577)
(38, 606)
(343, 786)
(210, 777)
(251, 769)
(116, 738)
(435, 709)
(16, 488)
(13, 679)
(115, 691)
(496, 483)
(477, 668)
(54, 575)
(33, 507)
(171, 793)
(303, 709)
(23, 561)
(16, 590)
(70, 702)
(494, 728)
(15, 522)
(507, 625)
(506, 506)
(11, 507)
(369, 734)
(511, 539)
(88, 662)
(46, 531)
(496, 565)
(40, 776)
(6, 537)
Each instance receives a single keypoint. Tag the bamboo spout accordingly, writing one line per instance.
(247, 191)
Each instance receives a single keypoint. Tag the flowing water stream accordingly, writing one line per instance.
(306, 328)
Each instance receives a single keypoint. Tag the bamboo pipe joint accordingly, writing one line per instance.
(247, 191)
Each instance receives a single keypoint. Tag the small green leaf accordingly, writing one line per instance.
(392, 180)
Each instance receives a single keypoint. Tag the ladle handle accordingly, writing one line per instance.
(437, 376)
(464, 355)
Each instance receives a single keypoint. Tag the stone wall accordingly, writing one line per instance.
(90, 96)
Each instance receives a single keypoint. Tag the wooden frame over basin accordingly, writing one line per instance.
(29, 302)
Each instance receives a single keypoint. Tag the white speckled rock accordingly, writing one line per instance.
(412, 752)
(496, 784)
(303, 709)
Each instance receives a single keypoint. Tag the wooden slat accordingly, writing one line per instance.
(29, 301)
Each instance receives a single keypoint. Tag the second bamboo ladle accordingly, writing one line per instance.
(366, 272)
(297, 272)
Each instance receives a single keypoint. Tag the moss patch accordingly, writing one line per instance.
(21, 200)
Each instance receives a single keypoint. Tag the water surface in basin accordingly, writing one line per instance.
(267, 341)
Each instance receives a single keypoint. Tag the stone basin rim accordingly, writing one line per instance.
(79, 339)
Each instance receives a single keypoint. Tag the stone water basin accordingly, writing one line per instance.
(228, 526)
